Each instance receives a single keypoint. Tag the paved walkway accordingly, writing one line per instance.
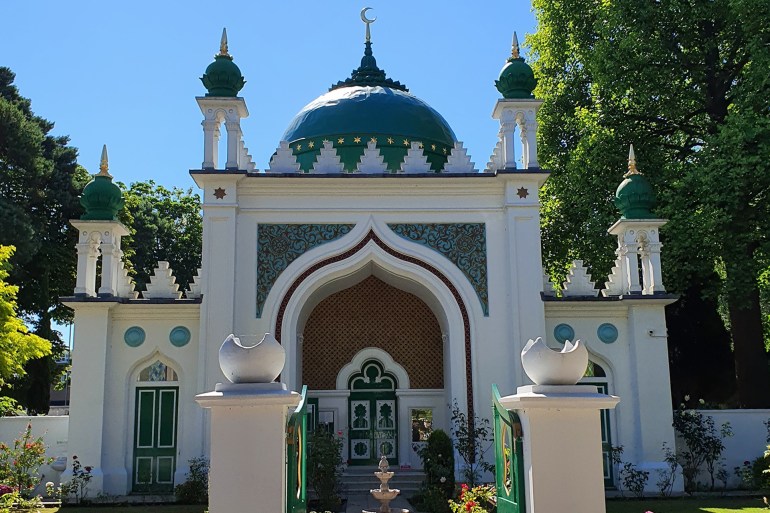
(358, 503)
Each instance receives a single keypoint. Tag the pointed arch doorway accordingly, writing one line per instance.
(373, 415)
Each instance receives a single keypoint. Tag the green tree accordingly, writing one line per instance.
(685, 81)
(39, 187)
(17, 345)
(164, 225)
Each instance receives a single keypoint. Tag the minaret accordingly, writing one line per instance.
(221, 104)
(99, 232)
(517, 109)
(638, 233)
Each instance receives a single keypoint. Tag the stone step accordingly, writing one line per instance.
(359, 480)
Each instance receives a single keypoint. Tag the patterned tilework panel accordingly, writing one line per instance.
(372, 314)
(278, 245)
(464, 244)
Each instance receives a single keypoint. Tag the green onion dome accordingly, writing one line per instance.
(101, 198)
(635, 197)
(223, 77)
(516, 80)
(369, 107)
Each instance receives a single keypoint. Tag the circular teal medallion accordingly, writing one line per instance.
(607, 333)
(134, 336)
(564, 332)
(179, 336)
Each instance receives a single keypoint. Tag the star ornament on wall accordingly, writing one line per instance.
(522, 192)
(219, 193)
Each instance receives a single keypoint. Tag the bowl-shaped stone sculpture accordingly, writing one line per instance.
(254, 362)
(546, 366)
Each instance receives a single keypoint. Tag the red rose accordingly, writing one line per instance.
(88, 469)
(469, 505)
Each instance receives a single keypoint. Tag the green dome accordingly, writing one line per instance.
(102, 199)
(635, 197)
(517, 80)
(223, 77)
(369, 107)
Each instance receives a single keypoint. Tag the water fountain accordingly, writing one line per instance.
(384, 494)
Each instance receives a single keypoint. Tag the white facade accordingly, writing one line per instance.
(147, 358)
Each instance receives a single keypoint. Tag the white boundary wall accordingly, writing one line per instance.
(748, 442)
(53, 429)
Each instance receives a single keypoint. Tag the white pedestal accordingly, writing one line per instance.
(562, 446)
(248, 446)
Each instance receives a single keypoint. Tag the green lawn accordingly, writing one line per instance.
(689, 505)
(139, 508)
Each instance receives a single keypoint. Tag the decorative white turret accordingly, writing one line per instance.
(221, 104)
(162, 284)
(327, 161)
(372, 161)
(459, 161)
(100, 233)
(517, 109)
(195, 287)
(638, 234)
(284, 160)
(415, 161)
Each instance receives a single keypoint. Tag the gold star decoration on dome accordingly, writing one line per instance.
(433, 147)
(299, 147)
(390, 140)
(356, 140)
(341, 140)
(444, 150)
(311, 145)
(522, 192)
(421, 145)
(406, 142)
(220, 193)
(373, 140)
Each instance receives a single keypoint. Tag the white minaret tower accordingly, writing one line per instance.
(221, 104)
(517, 109)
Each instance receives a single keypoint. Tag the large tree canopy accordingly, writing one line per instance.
(686, 82)
(39, 186)
(17, 345)
(164, 225)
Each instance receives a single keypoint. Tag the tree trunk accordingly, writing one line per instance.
(751, 367)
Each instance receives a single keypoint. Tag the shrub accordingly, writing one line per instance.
(703, 446)
(438, 463)
(324, 468)
(19, 465)
(195, 490)
(78, 483)
(472, 441)
(479, 499)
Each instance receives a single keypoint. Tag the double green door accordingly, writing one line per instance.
(155, 440)
(373, 427)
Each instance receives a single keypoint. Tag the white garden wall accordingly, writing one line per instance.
(53, 429)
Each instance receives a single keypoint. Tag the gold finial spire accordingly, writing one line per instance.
(368, 22)
(632, 162)
(223, 44)
(104, 164)
(515, 47)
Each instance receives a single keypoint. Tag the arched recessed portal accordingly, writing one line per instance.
(397, 329)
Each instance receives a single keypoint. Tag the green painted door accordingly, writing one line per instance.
(155, 440)
(373, 427)
(509, 458)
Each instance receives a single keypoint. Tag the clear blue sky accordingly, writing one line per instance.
(127, 73)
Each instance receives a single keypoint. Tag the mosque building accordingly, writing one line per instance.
(399, 278)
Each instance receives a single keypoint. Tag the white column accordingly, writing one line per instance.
(210, 143)
(88, 252)
(248, 446)
(632, 267)
(655, 268)
(233, 144)
(508, 128)
(531, 128)
(89, 372)
(562, 446)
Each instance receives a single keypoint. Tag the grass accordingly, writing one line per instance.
(139, 508)
(689, 505)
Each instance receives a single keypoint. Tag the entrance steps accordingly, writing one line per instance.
(359, 480)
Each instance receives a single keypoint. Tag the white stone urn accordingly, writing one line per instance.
(255, 362)
(546, 366)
